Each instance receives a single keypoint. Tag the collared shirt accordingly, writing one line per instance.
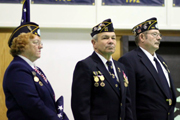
(28, 61)
(104, 62)
(151, 58)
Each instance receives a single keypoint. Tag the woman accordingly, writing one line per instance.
(29, 95)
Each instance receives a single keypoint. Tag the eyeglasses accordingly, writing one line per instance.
(38, 43)
(155, 34)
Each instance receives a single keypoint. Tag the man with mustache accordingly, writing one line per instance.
(100, 86)
(151, 86)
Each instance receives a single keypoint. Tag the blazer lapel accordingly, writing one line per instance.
(48, 86)
(147, 63)
(31, 70)
(104, 71)
(120, 76)
(169, 75)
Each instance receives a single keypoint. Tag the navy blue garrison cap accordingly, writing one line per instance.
(105, 26)
(146, 25)
(24, 28)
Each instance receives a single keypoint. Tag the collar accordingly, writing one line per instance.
(28, 61)
(148, 54)
(103, 59)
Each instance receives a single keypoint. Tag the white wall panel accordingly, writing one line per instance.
(63, 48)
(64, 16)
(10, 15)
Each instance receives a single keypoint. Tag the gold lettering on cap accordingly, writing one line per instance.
(106, 29)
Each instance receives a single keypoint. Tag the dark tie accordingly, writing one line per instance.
(162, 78)
(111, 72)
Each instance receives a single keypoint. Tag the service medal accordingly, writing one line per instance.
(96, 84)
(126, 81)
(40, 83)
(96, 79)
(102, 84)
(125, 84)
(36, 79)
(101, 77)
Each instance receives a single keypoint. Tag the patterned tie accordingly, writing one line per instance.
(162, 78)
(45, 79)
(111, 72)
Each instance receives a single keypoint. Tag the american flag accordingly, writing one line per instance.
(60, 109)
(25, 11)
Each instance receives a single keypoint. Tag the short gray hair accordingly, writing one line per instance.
(137, 38)
(95, 37)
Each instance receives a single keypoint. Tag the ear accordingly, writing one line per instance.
(93, 41)
(141, 37)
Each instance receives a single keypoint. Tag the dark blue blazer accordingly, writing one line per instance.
(27, 99)
(148, 97)
(97, 102)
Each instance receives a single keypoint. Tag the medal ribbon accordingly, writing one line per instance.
(45, 79)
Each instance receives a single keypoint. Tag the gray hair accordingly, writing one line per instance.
(137, 38)
(95, 37)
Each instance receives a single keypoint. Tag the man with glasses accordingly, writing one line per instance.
(151, 86)
(29, 95)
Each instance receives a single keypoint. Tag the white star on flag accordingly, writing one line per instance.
(60, 107)
(24, 9)
(59, 115)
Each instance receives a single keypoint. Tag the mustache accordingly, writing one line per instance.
(157, 42)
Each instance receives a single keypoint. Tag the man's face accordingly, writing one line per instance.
(33, 49)
(105, 44)
(152, 40)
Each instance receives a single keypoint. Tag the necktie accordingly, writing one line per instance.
(111, 72)
(162, 78)
(45, 79)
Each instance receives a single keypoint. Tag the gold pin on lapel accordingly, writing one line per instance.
(119, 69)
(34, 73)
(166, 67)
(40, 83)
(169, 101)
(36, 79)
